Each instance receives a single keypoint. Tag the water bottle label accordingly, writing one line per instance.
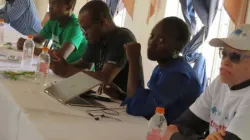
(27, 54)
(155, 134)
(44, 68)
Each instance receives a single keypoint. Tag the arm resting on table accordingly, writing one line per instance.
(144, 101)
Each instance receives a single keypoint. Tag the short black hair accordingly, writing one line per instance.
(98, 10)
(177, 28)
(71, 2)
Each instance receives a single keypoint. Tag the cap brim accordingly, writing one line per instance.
(240, 44)
(217, 42)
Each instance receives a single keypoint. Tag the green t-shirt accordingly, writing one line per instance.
(70, 33)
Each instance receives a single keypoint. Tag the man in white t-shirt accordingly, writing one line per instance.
(223, 110)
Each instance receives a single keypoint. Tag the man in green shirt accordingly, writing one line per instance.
(64, 30)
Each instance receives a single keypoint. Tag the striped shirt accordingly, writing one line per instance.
(22, 16)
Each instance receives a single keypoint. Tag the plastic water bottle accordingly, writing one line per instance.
(157, 125)
(43, 67)
(28, 52)
(1, 31)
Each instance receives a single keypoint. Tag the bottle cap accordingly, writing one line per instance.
(30, 36)
(160, 110)
(1, 20)
(45, 49)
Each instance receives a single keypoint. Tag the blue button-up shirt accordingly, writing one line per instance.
(174, 87)
(22, 16)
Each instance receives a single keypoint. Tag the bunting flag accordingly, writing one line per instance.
(129, 5)
(237, 10)
(152, 8)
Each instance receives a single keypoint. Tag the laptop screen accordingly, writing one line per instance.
(73, 86)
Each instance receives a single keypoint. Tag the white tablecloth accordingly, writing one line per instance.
(26, 113)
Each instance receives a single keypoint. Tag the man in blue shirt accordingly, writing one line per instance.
(173, 84)
(22, 16)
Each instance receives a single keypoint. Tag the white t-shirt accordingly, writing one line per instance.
(225, 109)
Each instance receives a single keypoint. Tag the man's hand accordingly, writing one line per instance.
(58, 64)
(170, 131)
(112, 91)
(133, 51)
(20, 43)
(216, 135)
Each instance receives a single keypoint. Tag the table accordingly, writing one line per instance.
(28, 114)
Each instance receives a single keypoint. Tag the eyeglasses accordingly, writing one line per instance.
(233, 56)
(85, 31)
(104, 113)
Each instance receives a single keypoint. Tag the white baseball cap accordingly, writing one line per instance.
(239, 39)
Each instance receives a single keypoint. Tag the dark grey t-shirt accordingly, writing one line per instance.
(111, 50)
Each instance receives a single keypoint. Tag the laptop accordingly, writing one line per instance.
(68, 91)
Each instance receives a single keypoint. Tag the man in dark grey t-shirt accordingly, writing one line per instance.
(111, 51)
(105, 48)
